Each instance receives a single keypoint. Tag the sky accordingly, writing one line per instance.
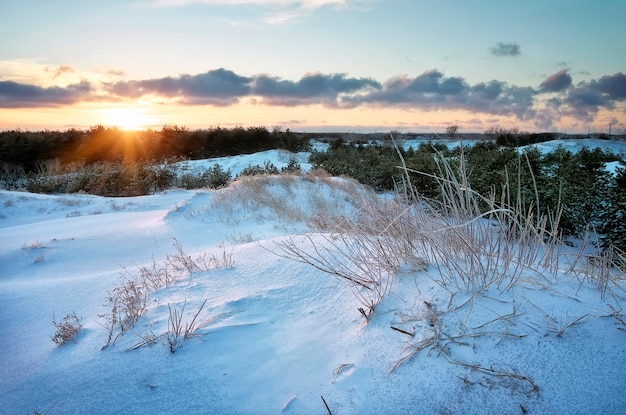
(314, 65)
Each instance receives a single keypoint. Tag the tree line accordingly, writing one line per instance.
(25, 150)
(113, 162)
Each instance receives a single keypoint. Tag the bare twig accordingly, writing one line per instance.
(402, 331)
(496, 372)
(326, 405)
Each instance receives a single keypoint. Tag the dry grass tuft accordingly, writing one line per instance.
(66, 329)
(180, 328)
(178, 334)
(274, 197)
(129, 300)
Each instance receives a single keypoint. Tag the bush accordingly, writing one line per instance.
(129, 300)
(66, 329)
(268, 168)
(292, 167)
(216, 177)
(613, 214)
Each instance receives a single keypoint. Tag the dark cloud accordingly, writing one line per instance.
(511, 100)
(224, 87)
(505, 49)
(217, 87)
(429, 91)
(433, 91)
(16, 95)
(544, 121)
(489, 90)
(585, 99)
(583, 103)
(556, 82)
(434, 82)
(310, 89)
(613, 86)
(584, 96)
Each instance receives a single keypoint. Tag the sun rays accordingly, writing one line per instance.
(128, 118)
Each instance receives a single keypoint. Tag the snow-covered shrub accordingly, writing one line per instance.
(129, 300)
(216, 177)
(254, 170)
(178, 333)
(292, 167)
(66, 329)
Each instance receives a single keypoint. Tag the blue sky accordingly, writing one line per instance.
(314, 64)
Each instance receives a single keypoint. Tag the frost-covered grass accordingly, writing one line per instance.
(428, 310)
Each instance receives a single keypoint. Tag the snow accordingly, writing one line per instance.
(285, 337)
(574, 145)
(279, 158)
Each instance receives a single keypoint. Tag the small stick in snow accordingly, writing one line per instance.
(402, 331)
(364, 313)
(326, 405)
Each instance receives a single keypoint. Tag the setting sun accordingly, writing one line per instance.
(128, 118)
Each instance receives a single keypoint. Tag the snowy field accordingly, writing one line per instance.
(279, 336)
(573, 145)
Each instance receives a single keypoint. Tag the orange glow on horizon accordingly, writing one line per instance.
(146, 115)
(111, 144)
(128, 118)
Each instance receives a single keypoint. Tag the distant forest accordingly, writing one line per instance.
(26, 150)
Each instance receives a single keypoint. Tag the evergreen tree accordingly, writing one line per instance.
(613, 214)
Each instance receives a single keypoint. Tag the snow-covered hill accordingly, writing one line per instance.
(280, 336)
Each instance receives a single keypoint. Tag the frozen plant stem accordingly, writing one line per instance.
(66, 329)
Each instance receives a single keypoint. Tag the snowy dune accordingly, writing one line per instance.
(282, 336)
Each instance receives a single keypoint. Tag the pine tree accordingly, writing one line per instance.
(613, 214)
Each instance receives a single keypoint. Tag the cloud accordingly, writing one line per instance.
(219, 87)
(613, 86)
(489, 90)
(556, 82)
(505, 49)
(114, 72)
(282, 17)
(222, 87)
(17, 95)
(583, 103)
(511, 100)
(431, 90)
(312, 88)
(56, 72)
(278, 11)
(282, 10)
(585, 99)
(310, 4)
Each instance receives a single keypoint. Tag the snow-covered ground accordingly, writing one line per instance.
(573, 145)
(283, 336)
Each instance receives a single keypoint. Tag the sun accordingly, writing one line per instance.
(128, 118)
